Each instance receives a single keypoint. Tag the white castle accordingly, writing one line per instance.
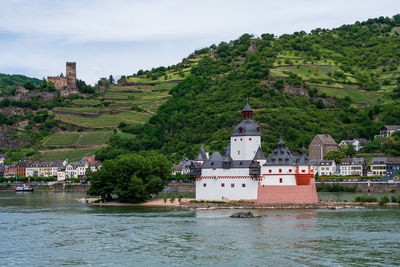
(244, 173)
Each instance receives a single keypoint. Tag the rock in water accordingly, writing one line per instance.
(245, 215)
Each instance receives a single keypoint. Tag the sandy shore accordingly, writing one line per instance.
(186, 203)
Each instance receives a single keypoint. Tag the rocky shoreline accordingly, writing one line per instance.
(189, 204)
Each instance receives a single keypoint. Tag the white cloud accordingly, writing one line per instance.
(122, 36)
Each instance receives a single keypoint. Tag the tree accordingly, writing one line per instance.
(335, 155)
(349, 150)
(132, 178)
(111, 80)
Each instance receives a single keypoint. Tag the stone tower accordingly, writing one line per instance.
(71, 75)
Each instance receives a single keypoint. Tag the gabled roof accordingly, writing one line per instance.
(379, 160)
(391, 127)
(201, 155)
(259, 154)
(326, 139)
(393, 161)
(281, 156)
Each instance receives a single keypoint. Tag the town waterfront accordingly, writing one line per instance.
(50, 229)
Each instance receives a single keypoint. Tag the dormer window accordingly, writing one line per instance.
(258, 129)
(240, 129)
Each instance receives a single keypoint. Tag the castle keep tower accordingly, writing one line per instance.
(71, 75)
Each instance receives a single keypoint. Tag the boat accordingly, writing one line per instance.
(24, 188)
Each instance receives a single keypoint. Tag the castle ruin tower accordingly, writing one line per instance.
(71, 75)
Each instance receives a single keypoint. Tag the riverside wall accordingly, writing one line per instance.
(372, 187)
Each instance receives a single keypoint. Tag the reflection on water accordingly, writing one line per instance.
(47, 229)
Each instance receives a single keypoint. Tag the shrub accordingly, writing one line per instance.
(180, 198)
(172, 199)
(363, 198)
(165, 198)
(383, 200)
(393, 198)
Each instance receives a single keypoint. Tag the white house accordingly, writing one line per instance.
(358, 144)
(353, 166)
(324, 167)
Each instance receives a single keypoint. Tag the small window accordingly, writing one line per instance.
(204, 185)
(241, 139)
(270, 171)
(249, 139)
(303, 171)
(243, 185)
(280, 180)
(280, 170)
(232, 185)
(235, 139)
(222, 185)
(238, 152)
(290, 170)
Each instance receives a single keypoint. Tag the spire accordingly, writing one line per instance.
(259, 154)
(247, 111)
(281, 143)
(201, 155)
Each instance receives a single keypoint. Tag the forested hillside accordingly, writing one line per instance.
(343, 81)
(9, 82)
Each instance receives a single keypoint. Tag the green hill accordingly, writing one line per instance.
(343, 81)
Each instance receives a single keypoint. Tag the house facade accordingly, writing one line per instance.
(320, 145)
(324, 167)
(353, 166)
(393, 167)
(378, 166)
(244, 173)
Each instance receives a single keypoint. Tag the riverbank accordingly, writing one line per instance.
(191, 204)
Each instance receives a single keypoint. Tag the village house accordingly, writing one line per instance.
(324, 167)
(378, 166)
(183, 167)
(393, 167)
(10, 170)
(244, 173)
(320, 145)
(353, 166)
(358, 144)
(388, 130)
(2, 159)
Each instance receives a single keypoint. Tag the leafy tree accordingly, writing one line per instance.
(335, 155)
(111, 80)
(132, 178)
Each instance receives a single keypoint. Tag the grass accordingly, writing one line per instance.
(78, 138)
(70, 154)
(105, 120)
(80, 109)
(62, 139)
(126, 135)
(87, 102)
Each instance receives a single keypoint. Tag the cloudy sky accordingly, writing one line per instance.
(122, 36)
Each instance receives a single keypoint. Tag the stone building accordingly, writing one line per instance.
(66, 85)
(320, 145)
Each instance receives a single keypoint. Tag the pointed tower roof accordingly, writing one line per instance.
(259, 154)
(281, 156)
(201, 155)
(303, 159)
(227, 154)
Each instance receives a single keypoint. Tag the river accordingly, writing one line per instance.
(52, 229)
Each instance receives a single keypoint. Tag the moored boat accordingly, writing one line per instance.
(24, 188)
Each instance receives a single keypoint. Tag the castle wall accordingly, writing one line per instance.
(221, 189)
(59, 82)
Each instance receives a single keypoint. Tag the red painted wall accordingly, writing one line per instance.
(286, 194)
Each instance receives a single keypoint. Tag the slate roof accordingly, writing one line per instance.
(259, 155)
(391, 127)
(281, 156)
(326, 139)
(303, 159)
(201, 155)
(393, 161)
(352, 161)
(379, 160)
(215, 162)
(247, 127)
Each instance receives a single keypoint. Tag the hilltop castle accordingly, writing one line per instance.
(244, 173)
(66, 85)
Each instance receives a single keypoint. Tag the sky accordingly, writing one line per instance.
(119, 37)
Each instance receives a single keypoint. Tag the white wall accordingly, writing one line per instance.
(214, 190)
(246, 147)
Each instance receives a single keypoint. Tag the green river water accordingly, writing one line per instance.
(54, 229)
